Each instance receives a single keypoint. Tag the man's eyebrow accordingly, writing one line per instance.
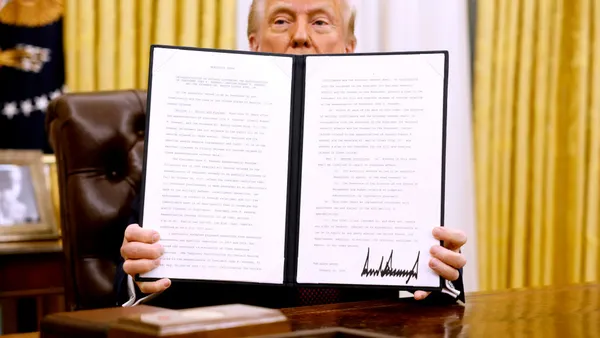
(287, 9)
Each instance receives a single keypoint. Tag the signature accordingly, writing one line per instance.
(389, 270)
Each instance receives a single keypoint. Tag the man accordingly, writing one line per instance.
(292, 27)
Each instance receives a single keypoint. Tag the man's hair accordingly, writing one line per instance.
(257, 9)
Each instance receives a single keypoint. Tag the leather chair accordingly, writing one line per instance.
(98, 140)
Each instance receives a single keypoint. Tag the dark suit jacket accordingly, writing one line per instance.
(194, 294)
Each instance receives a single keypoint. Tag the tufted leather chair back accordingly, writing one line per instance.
(98, 140)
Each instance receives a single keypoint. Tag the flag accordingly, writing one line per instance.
(32, 70)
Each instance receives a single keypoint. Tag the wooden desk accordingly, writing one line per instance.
(572, 311)
(32, 283)
(569, 311)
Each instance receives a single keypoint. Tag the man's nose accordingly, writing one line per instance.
(300, 37)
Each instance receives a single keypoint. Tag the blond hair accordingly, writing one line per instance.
(258, 7)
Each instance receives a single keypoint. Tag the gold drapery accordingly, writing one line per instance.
(537, 132)
(107, 42)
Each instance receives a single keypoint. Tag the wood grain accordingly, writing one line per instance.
(566, 311)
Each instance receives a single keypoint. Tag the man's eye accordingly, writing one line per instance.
(320, 22)
(280, 22)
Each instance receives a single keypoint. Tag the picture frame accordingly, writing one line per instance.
(26, 207)
(51, 173)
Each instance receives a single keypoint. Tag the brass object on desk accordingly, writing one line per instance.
(232, 320)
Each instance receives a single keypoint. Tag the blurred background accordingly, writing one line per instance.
(523, 170)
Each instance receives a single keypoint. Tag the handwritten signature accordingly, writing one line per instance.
(388, 270)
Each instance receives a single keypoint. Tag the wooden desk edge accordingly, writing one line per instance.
(22, 335)
(31, 247)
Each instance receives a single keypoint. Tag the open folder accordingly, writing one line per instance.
(295, 169)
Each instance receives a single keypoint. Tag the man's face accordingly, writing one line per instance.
(301, 27)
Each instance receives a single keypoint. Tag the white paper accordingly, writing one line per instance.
(371, 169)
(216, 179)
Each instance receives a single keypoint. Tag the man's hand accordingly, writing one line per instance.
(142, 253)
(446, 260)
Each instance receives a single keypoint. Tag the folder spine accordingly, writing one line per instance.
(295, 169)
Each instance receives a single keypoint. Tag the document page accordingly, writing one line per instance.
(371, 187)
(217, 164)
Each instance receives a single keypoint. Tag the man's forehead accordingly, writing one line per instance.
(304, 5)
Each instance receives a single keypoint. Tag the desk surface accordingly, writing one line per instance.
(570, 311)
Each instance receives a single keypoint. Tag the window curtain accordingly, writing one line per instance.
(107, 42)
(537, 142)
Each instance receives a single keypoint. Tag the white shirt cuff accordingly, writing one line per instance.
(131, 292)
(448, 289)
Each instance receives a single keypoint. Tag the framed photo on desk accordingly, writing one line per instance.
(51, 175)
(26, 211)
